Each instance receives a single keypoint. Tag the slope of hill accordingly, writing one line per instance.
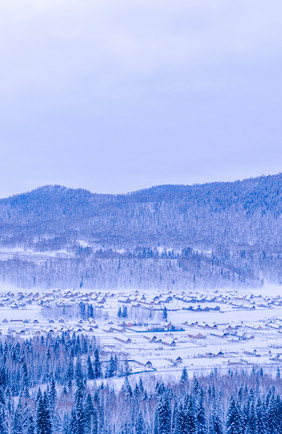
(170, 235)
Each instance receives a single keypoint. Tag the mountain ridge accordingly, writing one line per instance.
(51, 187)
(239, 222)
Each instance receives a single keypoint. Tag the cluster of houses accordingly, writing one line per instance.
(180, 324)
(177, 301)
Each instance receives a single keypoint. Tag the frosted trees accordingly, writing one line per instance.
(216, 404)
(184, 376)
(43, 417)
(97, 364)
(163, 415)
(90, 371)
(215, 421)
(234, 418)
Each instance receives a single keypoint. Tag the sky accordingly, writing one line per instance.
(118, 95)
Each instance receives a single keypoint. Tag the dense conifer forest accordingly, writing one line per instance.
(65, 384)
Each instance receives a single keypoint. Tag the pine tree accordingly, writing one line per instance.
(115, 364)
(38, 395)
(78, 372)
(156, 422)
(273, 413)
(89, 409)
(200, 414)
(79, 408)
(141, 387)
(66, 428)
(19, 422)
(184, 376)
(260, 418)
(2, 417)
(84, 347)
(190, 414)
(97, 365)
(95, 421)
(126, 388)
(25, 375)
(181, 420)
(30, 425)
(52, 396)
(164, 414)
(43, 418)
(245, 414)
(111, 368)
(70, 371)
(215, 421)
(73, 423)
(90, 372)
(251, 427)
(234, 419)
(140, 424)
(126, 367)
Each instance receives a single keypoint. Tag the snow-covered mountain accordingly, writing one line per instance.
(167, 236)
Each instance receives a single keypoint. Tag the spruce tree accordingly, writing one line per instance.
(43, 418)
(79, 407)
(260, 419)
(66, 429)
(111, 367)
(273, 413)
(251, 427)
(126, 388)
(141, 387)
(89, 409)
(234, 418)
(19, 422)
(97, 364)
(52, 396)
(78, 372)
(184, 376)
(140, 424)
(215, 421)
(73, 423)
(70, 370)
(190, 414)
(90, 371)
(2, 418)
(181, 420)
(30, 425)
(164, 414)
(25, 375)
(95, 421)
(200, 414)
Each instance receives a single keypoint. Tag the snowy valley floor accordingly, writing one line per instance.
(158, 333)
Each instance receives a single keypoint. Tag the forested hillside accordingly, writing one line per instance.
(184, 236)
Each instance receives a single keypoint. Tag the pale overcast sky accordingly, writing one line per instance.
(117, 95)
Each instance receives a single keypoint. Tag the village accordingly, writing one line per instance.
(157, 332)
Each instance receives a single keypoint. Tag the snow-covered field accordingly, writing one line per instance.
(31, 255)
(160, 332)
